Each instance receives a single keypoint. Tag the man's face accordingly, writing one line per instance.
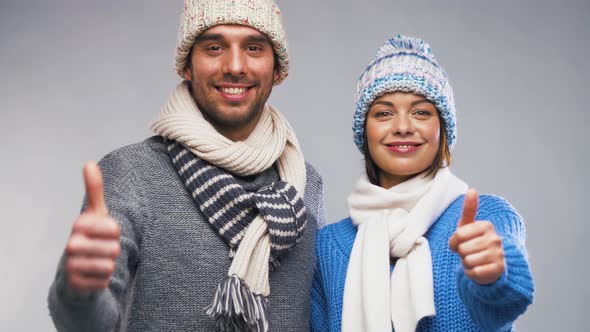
(232, 74)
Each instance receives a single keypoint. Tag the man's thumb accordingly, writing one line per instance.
(94, 189)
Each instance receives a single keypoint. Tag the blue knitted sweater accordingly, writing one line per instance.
(461, 304)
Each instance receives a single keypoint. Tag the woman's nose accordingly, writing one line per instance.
(403, 125)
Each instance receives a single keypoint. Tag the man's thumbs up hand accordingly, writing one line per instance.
(478, 244)
(93, 246)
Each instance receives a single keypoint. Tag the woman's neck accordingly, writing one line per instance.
(387, 181)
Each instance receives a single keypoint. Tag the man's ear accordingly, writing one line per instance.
(276, 74)
(187, 73)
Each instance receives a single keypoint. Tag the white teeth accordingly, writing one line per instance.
(404, 146)
(233, 91)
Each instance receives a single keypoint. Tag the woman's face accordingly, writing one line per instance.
(403, 136)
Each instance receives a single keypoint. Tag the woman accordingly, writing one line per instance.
(419, 252)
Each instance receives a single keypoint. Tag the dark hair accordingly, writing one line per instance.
(442, 158)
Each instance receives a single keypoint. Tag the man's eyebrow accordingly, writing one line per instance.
(258, 39)
(208, 37)
(218, 37)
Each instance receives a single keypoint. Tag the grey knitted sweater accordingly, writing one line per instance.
(171, 259)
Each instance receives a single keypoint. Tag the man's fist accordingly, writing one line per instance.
(478, 244)
(93, 246)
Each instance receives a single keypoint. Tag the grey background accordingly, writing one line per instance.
(81, 78)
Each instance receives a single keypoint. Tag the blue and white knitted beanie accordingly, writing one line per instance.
(404, 64)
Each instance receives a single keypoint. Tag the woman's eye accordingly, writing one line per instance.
(381, 114)
(423, 113)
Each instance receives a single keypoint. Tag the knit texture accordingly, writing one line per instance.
(277, 217)
(230, 209)
(272, 140)
(404, 64)
(392, 223)
(262, 15)
(171, 259)
(461, 304)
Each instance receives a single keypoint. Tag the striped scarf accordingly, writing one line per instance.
(230, 209)
(259, 226)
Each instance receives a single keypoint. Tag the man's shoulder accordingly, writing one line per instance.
(314, 190)
(148, 146)
(137, 155)
(312, 173)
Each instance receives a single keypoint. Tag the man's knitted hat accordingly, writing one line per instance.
(262, 15)
(404, 64)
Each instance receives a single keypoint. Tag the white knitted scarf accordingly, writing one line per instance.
(391, 223)
(272, 141)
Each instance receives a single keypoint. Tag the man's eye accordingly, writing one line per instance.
(254, 48)
(214, 48)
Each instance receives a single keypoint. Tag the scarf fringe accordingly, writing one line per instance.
(236, 308)
(274, 263)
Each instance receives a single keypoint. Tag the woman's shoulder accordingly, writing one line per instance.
(339, 235)
(497, 210)
(489, 205)
(344, 226)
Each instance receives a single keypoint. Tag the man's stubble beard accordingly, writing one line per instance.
(209, 111)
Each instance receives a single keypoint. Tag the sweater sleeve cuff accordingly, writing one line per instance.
(68, 296)
(73, 311)
(514, 284)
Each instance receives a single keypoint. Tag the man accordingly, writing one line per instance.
(210, 224)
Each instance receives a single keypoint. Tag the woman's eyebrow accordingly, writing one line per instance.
(414, 103)
(383, 102)
(390, 104)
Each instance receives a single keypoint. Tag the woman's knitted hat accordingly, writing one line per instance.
(404, 64)
(262, 15)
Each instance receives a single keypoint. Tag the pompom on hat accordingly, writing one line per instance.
(262, 15)
(404, 64)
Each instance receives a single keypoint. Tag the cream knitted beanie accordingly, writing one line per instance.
(262, 15)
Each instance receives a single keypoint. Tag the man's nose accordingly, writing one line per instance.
(234, 62)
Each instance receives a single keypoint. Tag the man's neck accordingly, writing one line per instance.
(237, 134)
